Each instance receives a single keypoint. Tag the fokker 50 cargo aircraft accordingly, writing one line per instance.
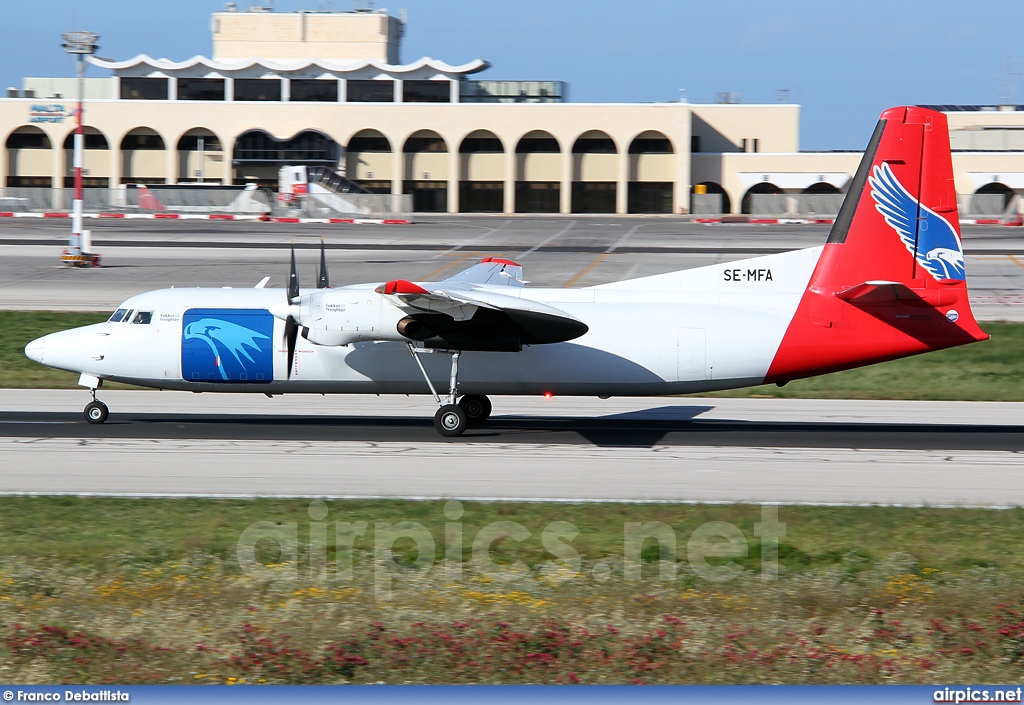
(888, 283)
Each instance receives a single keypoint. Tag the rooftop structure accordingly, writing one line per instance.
(364, 34)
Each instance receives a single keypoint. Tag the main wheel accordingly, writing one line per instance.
(450, 420)
(477, 408)
(96, 412)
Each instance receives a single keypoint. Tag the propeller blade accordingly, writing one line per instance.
(323, 282)
(291, 332)
(293, 281)
(291, 327)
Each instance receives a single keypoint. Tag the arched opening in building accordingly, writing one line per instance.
(95, 159)
(482, 173)
(29, 160)
(143, 157)
(368, 161)
(425, 160)
(538, 173)
(991, 199)
(651, 173)
(822, 187)
(820, 199)
(200, 157)
(709, 198)
(258, 155)
(594, 158)
(753, 203)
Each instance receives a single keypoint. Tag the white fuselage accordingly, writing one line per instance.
(714, 327)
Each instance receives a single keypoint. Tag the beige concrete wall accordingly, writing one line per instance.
(306, 35)
(96, 161)
(29, 162)
(482, 167)
(189, 161)
(722, 128)
(652, 167)
(433, 163)
(144, 164)
(538, 167)
(595, 167)
(376, 166)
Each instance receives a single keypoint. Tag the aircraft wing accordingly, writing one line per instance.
(460, 303)
(491, 270)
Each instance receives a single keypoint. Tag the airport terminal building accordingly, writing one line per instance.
(329, 89)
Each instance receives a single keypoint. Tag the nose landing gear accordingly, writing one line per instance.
(96, 411)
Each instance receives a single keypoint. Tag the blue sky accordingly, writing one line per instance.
(843, 62)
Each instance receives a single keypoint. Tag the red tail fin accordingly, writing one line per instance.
(890, 280)
(149, 202)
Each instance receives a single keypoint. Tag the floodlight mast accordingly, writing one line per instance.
(79, 45)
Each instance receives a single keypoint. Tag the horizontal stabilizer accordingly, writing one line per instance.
(877, 292)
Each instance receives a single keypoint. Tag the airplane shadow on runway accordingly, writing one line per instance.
(678, 427)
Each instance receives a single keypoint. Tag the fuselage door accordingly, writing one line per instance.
(691, 355)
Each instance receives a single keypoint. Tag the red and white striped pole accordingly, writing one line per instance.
(79, 45)
(75, 246)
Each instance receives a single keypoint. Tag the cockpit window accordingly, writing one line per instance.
(143, 317)
(118, 315)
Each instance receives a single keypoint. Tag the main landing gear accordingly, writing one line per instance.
(453, 419)
(96, 411)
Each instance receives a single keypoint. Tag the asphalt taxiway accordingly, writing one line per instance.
(680, 449)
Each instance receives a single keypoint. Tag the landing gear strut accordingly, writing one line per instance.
(96, 411)
(452, 419)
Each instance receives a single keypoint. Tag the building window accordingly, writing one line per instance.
(414, 145)
(28, 140)
(481, 145)
(537, 145)
(304, 148)
(650, 145)
(426, 91)
(143, 89)
(93, 140)
(29, 181)
(257, 89)
(594, 145)
(369, 144)
(371, 91)
(190, 143)
(325, 91)
(132, 142)
(695, 143)
(200, 89)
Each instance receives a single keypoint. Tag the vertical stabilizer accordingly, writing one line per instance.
(890, 281)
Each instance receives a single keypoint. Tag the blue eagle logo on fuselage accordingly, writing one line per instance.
(227, 345)
(937, 249)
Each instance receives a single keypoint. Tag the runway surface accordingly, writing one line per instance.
(555, 251)
(680, 449)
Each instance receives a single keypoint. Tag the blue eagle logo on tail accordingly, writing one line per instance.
(938, 248)
(221, 334)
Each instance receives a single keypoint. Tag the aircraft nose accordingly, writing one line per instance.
(35, 350)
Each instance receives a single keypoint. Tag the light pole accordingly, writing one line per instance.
(79, 45)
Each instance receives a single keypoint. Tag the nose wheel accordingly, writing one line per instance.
(96, 412)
